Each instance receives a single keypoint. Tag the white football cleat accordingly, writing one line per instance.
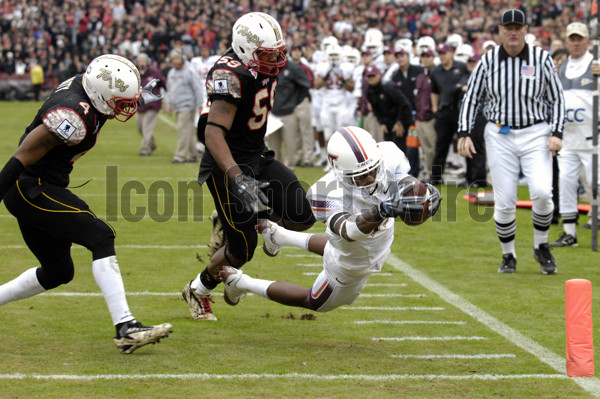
(267, 230)
(230, 277)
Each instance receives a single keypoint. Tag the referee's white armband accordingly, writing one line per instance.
(352, 230)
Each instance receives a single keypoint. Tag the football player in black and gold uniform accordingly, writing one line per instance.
(51, 218)
(240, 171)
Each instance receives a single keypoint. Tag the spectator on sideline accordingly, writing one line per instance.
(292, 105)
(424, 114)
(148, 114)
(184, 97)
(37, 79)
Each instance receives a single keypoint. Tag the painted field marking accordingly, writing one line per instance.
(453, 356)
(358, 377)
(558, 363)
(392, 308)
(309, 264)
(303, 256)
(392, 296)
(372, 275)
(387, 285)
(408, 322)
(419, 338)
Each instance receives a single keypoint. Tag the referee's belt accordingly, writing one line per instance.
(521, 127)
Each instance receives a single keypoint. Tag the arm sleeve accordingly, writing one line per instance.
(556, 98)
(9, 175)
(470, 103)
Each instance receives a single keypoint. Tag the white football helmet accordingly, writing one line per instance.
(259, 43)
(351, 55)
(455, 40)
(404, 44)
(425, 43)
(463, 52)
(113, 85)
(328, 41)
(334, 55)
(373, 42)
(353, 153)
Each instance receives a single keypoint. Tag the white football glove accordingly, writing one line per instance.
(147, 95)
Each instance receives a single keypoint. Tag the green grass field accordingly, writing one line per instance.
(438, 322)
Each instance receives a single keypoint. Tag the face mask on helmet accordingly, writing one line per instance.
(373, 42)
(356, 159)
(334, 55)
(328, 42)
(259, 43)
(113, 85)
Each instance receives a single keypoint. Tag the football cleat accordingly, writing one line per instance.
(267, 229)
(133, 335)
(547, 262)
(565, 240)
(230, 276)
(509, 264)
(199, 304)
(218, 238)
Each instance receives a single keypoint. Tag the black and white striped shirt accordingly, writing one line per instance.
(521, 91)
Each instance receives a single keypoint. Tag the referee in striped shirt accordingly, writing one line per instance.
(525, 110)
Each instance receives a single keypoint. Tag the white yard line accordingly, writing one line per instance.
(456, 356)
(408, 322)
(293, 376)
(558, 363)
(392, 308)
(419, 338)
(372, 275)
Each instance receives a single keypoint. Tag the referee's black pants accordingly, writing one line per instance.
(445, 125)
(51, 219)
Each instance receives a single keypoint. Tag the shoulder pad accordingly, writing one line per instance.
(66, 124)
(224, 82)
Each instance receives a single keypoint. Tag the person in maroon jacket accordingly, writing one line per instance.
(424, 113)
(148, 114)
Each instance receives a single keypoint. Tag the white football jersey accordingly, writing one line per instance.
(202, 66)
(329, 197)
(334, 92)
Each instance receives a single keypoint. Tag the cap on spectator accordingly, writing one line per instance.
(444, 48)
(372, 71)
(475, 57)
(577, 28)
(389, 50)
(400, 52)
(513, 16)
(427, 53)
(366, 52)
(487, 44)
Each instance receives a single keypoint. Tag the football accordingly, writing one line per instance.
(419, 189)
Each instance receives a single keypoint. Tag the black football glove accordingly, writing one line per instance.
(248, 190)
(147, 95)
(435, 198)
(401, 204)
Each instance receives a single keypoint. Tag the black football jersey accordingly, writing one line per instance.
(69, 114)
(253, 93)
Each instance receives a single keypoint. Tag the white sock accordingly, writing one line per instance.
(24, 286)
(539, 237)
(508, 248)
(199, 287)
(108, 277)
(296, 239)
(570, 228)
(254, 285)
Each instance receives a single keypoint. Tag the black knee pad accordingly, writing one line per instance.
(51, 276)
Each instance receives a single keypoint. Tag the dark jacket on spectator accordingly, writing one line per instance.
(292, 89)
(147, 76)
(390, 105)
(407, 83)
(423, 97)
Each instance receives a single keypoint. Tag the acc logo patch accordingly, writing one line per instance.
(66, 129)
(221, 86)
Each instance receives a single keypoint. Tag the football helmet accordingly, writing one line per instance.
(351, 55)
(455, 40)
(404, 44)
(113, 85)
(328, 41)
(334, 55)
(354, 154)
(463, 53)
(373, 42)
(259, 43)
(425, 43)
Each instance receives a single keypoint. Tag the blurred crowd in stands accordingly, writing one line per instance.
(62, 36)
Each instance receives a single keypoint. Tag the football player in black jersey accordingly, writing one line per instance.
(240, 171)
(51, 218)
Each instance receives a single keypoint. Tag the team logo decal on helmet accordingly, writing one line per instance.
(259, 43)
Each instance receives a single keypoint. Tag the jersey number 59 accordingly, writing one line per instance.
(260, 110)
